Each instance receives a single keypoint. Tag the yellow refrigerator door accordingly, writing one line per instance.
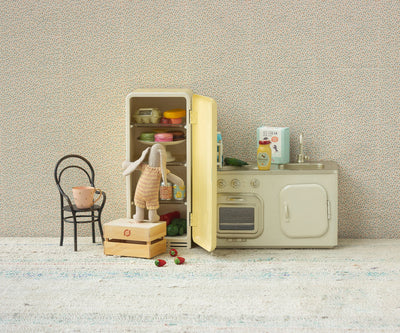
(204, 172)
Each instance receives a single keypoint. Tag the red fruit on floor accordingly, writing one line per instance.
(173, 252)
(179, 260)
(160, 262)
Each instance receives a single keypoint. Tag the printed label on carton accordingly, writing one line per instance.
(273, 136)
(279, 137)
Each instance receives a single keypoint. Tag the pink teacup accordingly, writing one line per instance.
(84, 195)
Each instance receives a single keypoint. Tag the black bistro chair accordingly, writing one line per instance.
(69, 212)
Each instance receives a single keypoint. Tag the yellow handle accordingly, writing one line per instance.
(100, 194)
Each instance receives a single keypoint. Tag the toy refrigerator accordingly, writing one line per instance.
(193, 159)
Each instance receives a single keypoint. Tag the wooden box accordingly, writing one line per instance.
(124, 237)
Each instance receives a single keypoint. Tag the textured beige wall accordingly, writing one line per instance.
(329, 69)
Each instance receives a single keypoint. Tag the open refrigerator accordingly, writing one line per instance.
(193, 159)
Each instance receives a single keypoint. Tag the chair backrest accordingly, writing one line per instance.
(73, 162)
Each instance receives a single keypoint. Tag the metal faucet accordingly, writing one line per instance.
(301, 158)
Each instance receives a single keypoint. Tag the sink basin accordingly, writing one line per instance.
(302, 166)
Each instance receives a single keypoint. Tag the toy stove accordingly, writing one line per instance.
(276, 208)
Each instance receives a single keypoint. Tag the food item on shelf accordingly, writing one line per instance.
(165, 121)
(160, 262)
(179, 192)
(176, 121)
(234, 161)
(177, 135)
(166, 191)
(147, 116)
(170, 216)
(179, 260)
(264, 155)
(163, 137)
(173, 252)
(280, 142)
(147, 136)
(175, 115)
(180, 224)
(172, 230)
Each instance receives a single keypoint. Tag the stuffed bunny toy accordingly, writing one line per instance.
(148, 186)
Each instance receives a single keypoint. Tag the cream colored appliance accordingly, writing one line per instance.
(194, 158)
(277, 208)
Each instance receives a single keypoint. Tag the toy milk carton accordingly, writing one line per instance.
(280, 142)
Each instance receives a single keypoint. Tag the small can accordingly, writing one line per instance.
(166, 191)
(179, 192)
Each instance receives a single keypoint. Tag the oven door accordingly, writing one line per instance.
(239, 215)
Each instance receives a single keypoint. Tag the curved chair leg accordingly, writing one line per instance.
(75, 234)
(62, 221)
(62, 232)
(101, 230)
(93, 234)
(62, 226)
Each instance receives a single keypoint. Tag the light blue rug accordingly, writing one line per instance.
(48, 288)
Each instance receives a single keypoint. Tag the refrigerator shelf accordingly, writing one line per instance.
(158, 125)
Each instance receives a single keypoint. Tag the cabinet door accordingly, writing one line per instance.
(204, 172)
(304, 210)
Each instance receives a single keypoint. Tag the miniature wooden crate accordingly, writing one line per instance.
(125, 237)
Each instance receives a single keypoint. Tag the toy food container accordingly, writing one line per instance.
(280, 142)
(179, 192)
(163, 137)
(177, 135)
(147, 137)
(175, 115)
(147, 116)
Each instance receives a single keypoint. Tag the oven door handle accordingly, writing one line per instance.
(236, 199)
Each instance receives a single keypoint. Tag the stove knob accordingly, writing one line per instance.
(254, 183)
(235, 183)
(221, 183)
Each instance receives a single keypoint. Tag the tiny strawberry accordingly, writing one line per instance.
(173, 252)
(179, 260)
(160, 262)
